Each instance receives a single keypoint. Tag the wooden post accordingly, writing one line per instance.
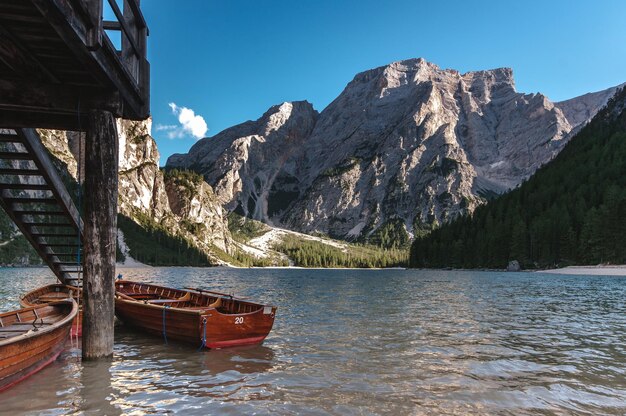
(100, 222)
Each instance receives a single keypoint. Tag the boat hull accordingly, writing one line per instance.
(46, 294)
(201, 326)
(24, 355)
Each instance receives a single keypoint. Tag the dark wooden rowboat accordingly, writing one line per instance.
(205, 319)
(32, 338)
(53, 293)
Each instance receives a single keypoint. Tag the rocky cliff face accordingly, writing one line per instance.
(193, 212)
(242, 163)
(407, 142)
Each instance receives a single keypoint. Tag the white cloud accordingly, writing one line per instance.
(190, 124)
(161, 127)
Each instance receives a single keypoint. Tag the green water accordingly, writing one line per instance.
(360, 342)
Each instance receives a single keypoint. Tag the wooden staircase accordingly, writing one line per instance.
(35, 198)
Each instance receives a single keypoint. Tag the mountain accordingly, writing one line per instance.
(173, 217)
(571, 211)
(403, 147)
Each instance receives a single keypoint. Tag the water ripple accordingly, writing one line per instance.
(360, 343)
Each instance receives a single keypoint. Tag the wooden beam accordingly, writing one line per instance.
(20, 60)
(103, 63)
(101, 182)
(27, 104)
(127, 22)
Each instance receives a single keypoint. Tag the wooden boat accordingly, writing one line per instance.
(53, 293)
(32, 338)
(203, 318)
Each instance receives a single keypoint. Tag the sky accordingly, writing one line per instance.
(217, 63)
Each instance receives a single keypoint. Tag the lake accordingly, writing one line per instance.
(359, 342)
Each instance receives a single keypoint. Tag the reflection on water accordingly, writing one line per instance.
(360, 342)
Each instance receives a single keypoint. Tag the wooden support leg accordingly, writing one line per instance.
(101, 160)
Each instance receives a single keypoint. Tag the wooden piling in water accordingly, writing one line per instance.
(100, 222)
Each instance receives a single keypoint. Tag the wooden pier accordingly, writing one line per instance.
(59, 69)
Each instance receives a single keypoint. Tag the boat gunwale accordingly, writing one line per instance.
(201, 312)
(27, 298)
(41, 330)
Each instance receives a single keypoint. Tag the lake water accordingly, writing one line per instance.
(360, 342)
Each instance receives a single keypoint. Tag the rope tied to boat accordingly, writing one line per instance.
(164, 328)
(203, 339)
(35, 327)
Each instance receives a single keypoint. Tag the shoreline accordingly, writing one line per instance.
(599, 270)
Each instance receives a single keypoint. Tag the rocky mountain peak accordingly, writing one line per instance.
(408, 144)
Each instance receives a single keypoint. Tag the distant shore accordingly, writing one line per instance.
(616, 270)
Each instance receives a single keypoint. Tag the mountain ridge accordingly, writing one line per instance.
(407, 143)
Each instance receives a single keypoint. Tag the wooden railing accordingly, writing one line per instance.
(134, 32)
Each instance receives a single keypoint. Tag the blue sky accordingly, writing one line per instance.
(228, 61)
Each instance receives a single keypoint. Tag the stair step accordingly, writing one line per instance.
(52, 235)
(22, 200)
(21, 172)
(65, 263)
(50, 224)
(63, 254)
(25, 186)
(10, 138)
(33, 212)
(16, 156)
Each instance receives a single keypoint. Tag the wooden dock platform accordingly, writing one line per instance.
(57, 63)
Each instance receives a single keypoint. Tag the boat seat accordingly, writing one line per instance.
(216, 304)
(52, 298)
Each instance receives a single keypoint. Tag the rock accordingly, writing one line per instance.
(202, 215)
(407, 142)
(242, 163)
(513, 266)
(196, 214)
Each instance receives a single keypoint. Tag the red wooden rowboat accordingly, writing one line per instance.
(203, 318)
(53, 293)
(32, 338)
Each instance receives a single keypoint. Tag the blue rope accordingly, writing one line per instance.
(164, 330)
(203, 345)
(80, 192)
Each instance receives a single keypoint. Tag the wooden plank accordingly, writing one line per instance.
(127, 27)
(39, 212)
(9, 138)
(21, 200)
(138, 15)
(49, 224)
(17, 57)
(15, 156)
(52, 235)
(27, 103)
(101, 179)
(20, 172)
(111, 25)
(29, 186)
